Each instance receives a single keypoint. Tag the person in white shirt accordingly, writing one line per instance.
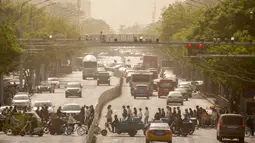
(146, 116)
(140, 114)
(129, 111)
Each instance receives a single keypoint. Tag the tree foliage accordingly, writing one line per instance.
(221, 20)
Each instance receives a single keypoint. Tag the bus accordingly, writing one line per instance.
(89, 67)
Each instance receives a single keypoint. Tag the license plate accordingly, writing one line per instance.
(141, 90)
(232, 127)
(160, 133)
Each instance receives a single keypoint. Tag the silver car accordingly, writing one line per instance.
(73, 89)
(174, 97)
(184, 92)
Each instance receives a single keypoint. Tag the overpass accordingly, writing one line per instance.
(113, 41)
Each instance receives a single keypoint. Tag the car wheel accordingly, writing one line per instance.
(66, 96)
(147, 141)
(134, 97)
(148, 97)
(97, 83)
(181, 103)
(220, 139)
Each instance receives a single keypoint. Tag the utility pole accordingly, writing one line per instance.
(1, 75)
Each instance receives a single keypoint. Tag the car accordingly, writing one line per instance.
(40, 104)
(174, 97)
(71, 108)
(184, 92)
(141, 90)
(54, 81)
(158, 131)
(231, 126)
(45, 87)
(21, 100)
(188, 86)
(103, 78)
(73, 89)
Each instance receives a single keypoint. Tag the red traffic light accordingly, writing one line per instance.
(200, 46)
(189, 46)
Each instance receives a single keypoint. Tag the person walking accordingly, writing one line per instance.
(146, 116)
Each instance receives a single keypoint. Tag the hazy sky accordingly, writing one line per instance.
(126, 12)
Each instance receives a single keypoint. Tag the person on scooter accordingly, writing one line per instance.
(71, 121)
(33, 124)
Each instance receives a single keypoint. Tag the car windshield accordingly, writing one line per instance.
(21, 97)
(141, 78)
(180, 89)
(163, 126)
(45, 83)
(52, 79)
(73, 85)
(41, 104)
(71, 108)
(166, 84)
(230, 120)
(103, 74)
(90, 64)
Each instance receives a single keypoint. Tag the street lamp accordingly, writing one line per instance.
(31, 12)
(251, 15)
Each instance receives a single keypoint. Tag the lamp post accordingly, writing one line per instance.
(251, 15)
(21, 35)
(31, 15)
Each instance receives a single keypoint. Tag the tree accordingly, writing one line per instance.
(226, 19)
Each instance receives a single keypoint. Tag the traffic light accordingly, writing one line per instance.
(200, 48)
(189, 49)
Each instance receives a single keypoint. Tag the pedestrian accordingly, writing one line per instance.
(129, 112)
(159, 112)
(59, 111)
(250, 124)
(140, 114)
(135, 112)
(82, 116)
(92, 111)
(146, 116)
(163, 114)
(109, 114)
(124, 113)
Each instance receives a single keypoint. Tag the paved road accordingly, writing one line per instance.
(90, 95)
(200, 136)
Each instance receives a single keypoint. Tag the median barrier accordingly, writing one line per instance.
(103, 99)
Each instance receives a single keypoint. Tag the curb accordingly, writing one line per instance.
(207, 98)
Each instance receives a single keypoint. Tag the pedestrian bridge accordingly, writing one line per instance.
(113, 40)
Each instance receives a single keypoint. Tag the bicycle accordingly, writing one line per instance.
(247, 131)
(80, 129)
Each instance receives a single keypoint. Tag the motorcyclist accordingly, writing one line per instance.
(214, 116)
(250, 124)
(71, 121)
(59, 111)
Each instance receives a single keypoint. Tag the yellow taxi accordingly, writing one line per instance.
(159, 132)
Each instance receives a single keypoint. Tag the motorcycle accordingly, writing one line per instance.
(184, 129)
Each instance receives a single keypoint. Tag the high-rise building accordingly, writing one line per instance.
(86, 7)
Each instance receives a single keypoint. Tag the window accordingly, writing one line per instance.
(73, 85)
(20, 98)
(141, 78)
(230, 120)
(166, 84)
(71, 108)
(104, 74)
(42, 104)
(90, 64)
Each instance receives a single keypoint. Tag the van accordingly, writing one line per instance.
(231, 126)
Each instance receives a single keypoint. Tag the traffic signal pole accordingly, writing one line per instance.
(1, 75)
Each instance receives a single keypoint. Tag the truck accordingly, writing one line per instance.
(167, 64)
(89, 67)
(150, 62)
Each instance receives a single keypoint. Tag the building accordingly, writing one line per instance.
(86, 7)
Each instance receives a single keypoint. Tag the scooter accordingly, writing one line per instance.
(36, 131)
(182, 130)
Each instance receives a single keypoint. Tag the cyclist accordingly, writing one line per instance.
(71, 121)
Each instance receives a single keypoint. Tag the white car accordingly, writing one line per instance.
(21, 100)
(174, 97)
(54, 81)
(40, 104)
(71, 108)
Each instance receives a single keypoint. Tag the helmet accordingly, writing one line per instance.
(212, 107)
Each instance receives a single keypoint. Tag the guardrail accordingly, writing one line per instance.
(104, 99)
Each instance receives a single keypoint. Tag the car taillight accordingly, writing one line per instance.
(147, 90)
(169, 132)
(152, 132)
(220, 124)
(156, 75)
(136, 90)
(243, 125)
